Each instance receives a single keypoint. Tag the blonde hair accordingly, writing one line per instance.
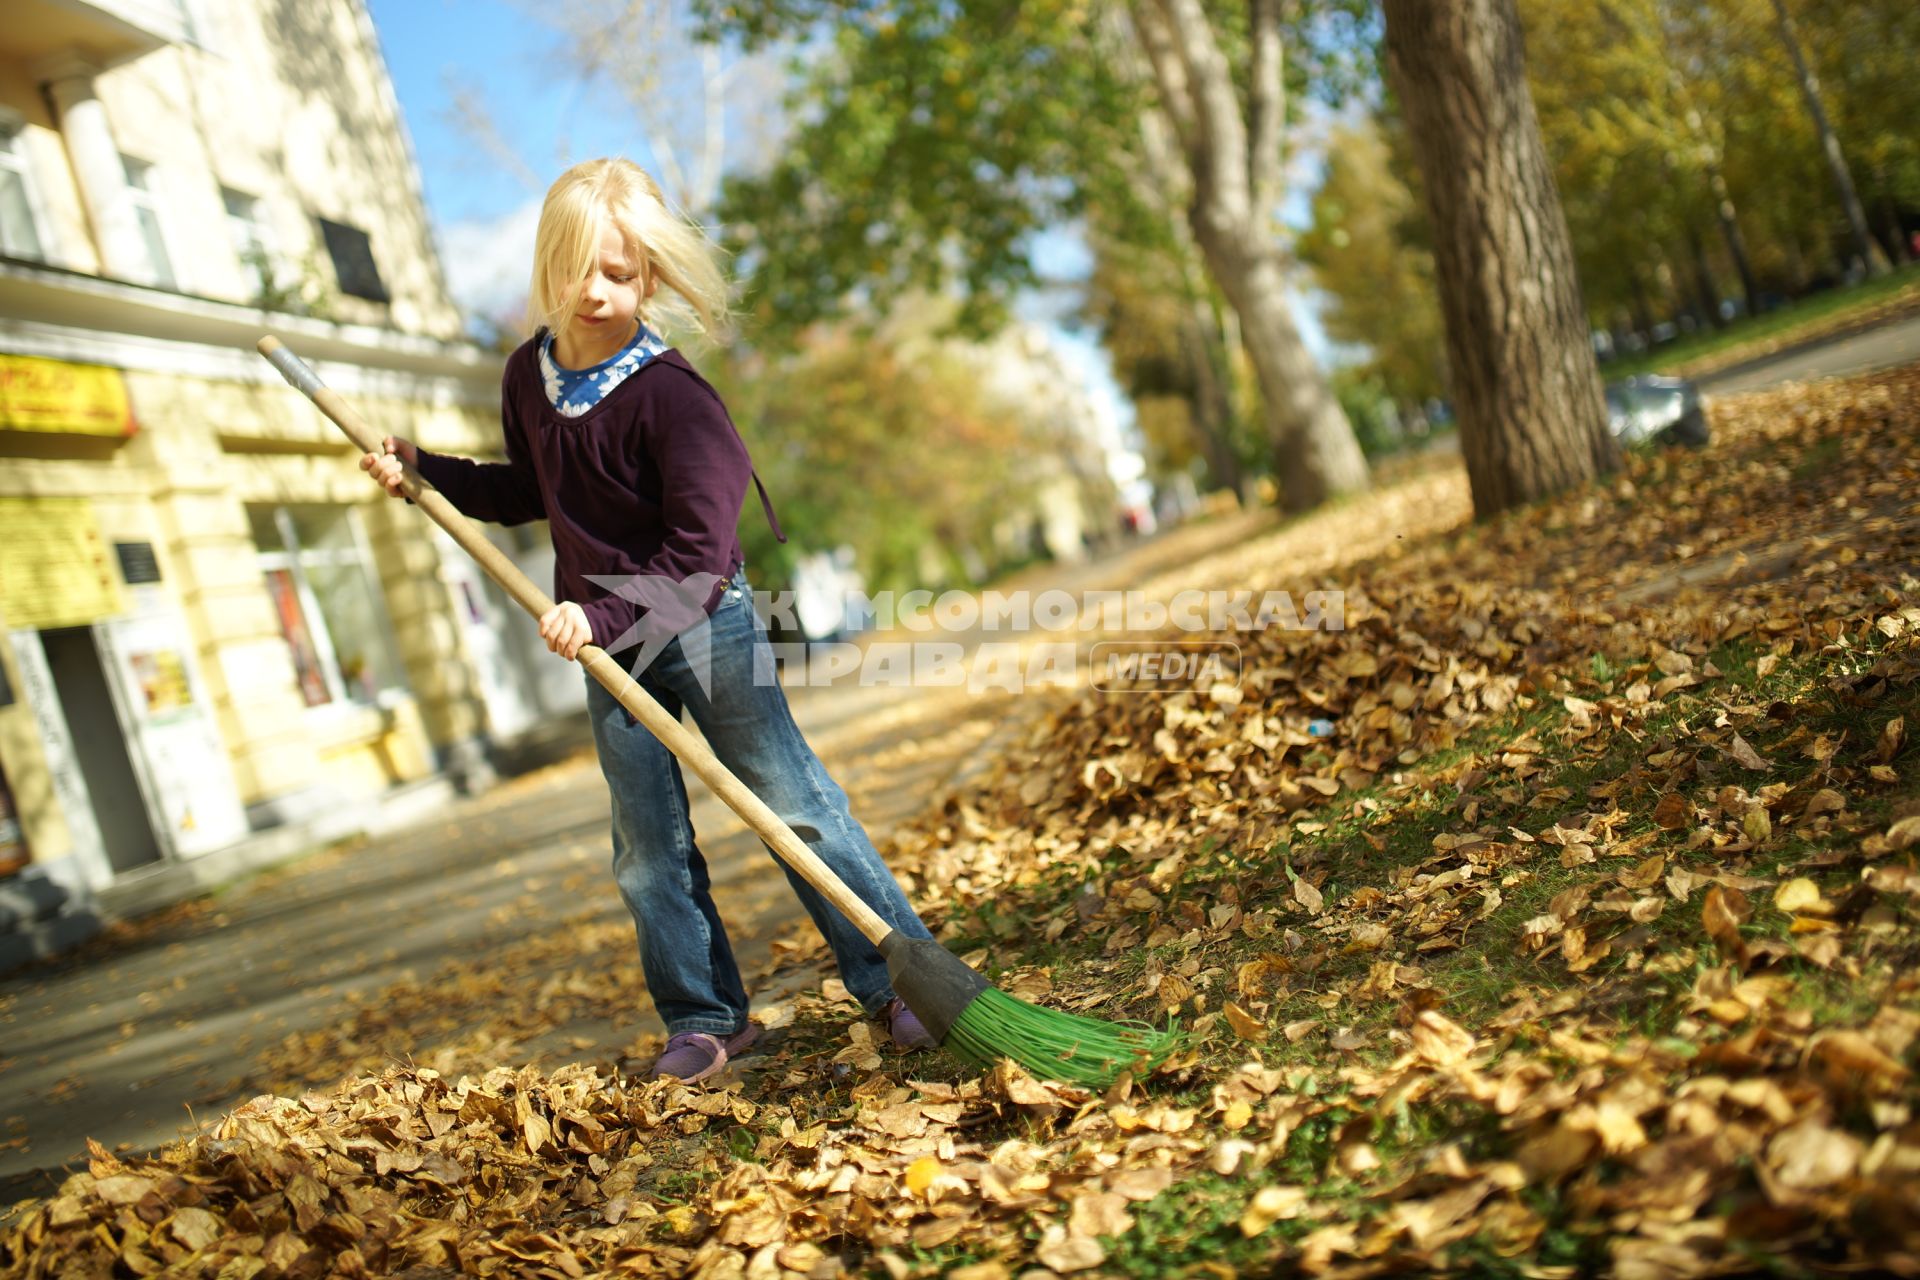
(669, 248)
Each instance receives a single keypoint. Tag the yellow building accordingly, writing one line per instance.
(214, 624)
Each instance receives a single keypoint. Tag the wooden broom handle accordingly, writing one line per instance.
(690, 750)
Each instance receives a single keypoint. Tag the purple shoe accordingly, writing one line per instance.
(692, 1056)
(905, 1027)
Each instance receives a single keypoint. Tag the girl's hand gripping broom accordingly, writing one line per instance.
(961, 1009)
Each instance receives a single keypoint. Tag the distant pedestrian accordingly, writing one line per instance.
(632, 459)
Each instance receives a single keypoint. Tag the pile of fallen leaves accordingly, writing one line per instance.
(1563, 748)
(1454, 634)
(407, 1169)
(524, 1174)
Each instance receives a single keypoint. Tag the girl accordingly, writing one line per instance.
(628, 454)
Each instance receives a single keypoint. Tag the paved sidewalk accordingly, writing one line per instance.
(1881, 347)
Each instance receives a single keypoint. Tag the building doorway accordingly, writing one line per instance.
(100, 748)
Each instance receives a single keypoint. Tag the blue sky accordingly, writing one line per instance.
(495, 48)
(484, 198)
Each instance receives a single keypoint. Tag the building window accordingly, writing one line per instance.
(353, 264)
(326, 596)
(197, 26)
(140, 194)
(19, 228)
(249, 236)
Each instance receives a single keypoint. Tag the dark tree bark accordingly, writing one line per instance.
(1729, 220)
(1642, 304)
(1892, 234)
(1532, 420)
(1705, 292)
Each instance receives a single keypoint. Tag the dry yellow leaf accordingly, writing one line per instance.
(1069, 1253)
(1244, 1024)
(125, 1188)
(1270, 1205)
(990, 1270)
(1174, 991)
(1721, 915)
(1745, 756)
(1810, 1157)
(1893, 735)
(1855, 1054)
(1140, 1184)
(1225, 1157)
(1357, 1158)
(1439, 1041)
(1673, 811)
(1308, 896)
(921, 1173)
(194, 1227)
(1645, 874)
(1800, 895)
(1101, 1213)
(1826, 800)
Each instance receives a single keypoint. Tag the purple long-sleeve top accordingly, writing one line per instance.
(645, 487)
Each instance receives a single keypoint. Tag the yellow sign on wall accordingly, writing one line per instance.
(53, 395)
(57, 570)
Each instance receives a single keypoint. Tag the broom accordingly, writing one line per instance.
(963, 1012)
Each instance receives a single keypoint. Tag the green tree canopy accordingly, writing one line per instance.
(1365, 249)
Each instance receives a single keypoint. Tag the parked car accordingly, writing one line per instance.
(1652, 409)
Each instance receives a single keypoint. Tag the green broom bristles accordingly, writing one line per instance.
(1055, 1046)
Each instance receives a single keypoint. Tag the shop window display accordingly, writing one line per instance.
(327, 599)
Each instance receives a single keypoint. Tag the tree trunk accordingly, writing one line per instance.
(1893, 235)
(1873, 260)
(1232, 152)
(1723, 208)
(1532, 419)
(1642, 305)
(1212, 413)
(1315, 454)
(1729, 218)
(1705, 291)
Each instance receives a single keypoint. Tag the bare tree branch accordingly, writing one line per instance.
(675, 86)
(1157, 171)
(466, 111)
(713, 151)
(1220, 166)
(1315, 453)
(1169, 72)
(1266, 106)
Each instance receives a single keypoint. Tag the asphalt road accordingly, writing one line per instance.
(1881, 348)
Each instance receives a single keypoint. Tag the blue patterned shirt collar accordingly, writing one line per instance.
(574, 391)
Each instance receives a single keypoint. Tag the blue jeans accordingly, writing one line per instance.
(689, 965)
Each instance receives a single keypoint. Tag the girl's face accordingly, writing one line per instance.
(606, 304)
